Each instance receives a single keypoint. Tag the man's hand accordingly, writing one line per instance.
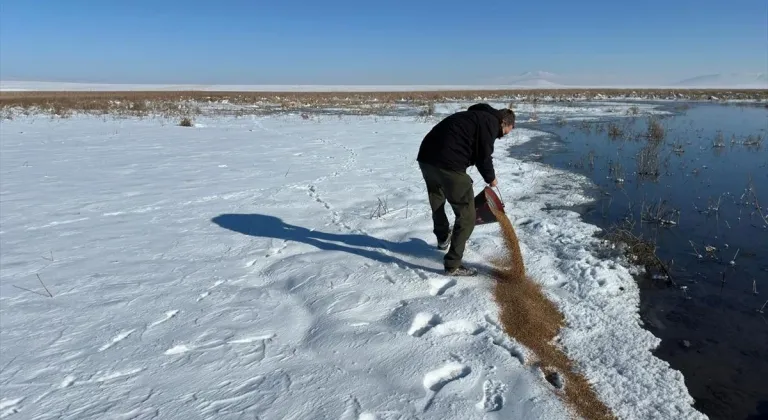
(494, 182)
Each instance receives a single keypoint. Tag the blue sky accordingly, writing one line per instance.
(377, 42)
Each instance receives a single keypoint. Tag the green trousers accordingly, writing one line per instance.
(456, 188)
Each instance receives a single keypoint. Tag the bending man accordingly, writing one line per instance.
(459, 141)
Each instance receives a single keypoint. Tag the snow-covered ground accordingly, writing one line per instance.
(280, 268)
(550, 112)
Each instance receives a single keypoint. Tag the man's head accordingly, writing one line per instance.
(507, 120)
(506, 115)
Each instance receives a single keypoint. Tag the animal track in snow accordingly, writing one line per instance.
(337, 221)
(274, 251)
(493, 396)
(118, 338)
(422, 322)
(351, 158)
(457, 327)
(438, 286)
(312, 192)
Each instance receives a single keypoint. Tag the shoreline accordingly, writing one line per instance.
(657, 299)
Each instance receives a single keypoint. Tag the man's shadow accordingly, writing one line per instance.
(264, 226)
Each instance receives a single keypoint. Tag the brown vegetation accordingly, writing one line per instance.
(174, 103)
(614, 131)
(656, 131)
(532, 319)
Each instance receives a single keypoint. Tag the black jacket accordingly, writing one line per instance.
(464, 139)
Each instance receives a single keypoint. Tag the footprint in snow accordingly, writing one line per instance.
(421, 323)
(502, 341)
(439, 286)
(553, 377)
(354, 411)
(457, 327)
(424, 321)
(493, 396)
(436, 379)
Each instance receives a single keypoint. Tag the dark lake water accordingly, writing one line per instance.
(709, 177)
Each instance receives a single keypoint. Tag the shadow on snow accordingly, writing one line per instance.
(370, 247)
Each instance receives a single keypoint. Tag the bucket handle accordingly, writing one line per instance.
(499, 193)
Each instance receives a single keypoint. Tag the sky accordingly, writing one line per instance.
(378, 42)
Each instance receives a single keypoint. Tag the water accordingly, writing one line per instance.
(694, 196)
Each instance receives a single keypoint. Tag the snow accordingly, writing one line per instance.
(583, 111)
(240, 269)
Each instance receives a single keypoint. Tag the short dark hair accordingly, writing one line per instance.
(507, 117)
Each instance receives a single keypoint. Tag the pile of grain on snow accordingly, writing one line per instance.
(533, 320)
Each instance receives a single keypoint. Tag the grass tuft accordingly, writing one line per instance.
(614, 131)
(656, 131)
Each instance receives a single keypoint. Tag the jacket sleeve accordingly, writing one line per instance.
(486, 137)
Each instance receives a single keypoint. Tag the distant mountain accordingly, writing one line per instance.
(538, 75)
(531, 78)
(727, 80)
(544, 79)
(535, 83)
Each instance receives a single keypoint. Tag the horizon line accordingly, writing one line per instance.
(37, 86)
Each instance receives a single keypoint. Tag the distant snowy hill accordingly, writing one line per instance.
(728, 80)
(532, 79)
(535, 83)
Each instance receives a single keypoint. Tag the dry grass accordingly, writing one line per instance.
(532, 319)
(656, 131)
(614, 131)
(639, 250)
(648, 163)
(176, 103)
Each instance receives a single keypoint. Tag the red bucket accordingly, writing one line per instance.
(484, 202)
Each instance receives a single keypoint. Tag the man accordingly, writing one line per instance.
(459, 141)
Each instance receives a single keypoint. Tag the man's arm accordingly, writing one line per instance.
(486, 137)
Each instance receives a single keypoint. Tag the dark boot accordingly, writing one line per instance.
(461, 271)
